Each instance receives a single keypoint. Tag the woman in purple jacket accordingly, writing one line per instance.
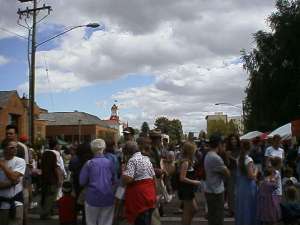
(97, 176)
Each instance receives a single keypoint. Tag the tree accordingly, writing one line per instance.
(145, 128)
(217, 126)
(273, 92)
(232, 128)
(162, 123)
(175, 131)
(173, 128)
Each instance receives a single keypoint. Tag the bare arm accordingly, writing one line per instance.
(13, 176)
(5, 184)
(127, 180)
(183, 171)
(225, 172)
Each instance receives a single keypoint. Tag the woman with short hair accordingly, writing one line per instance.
(97, 176)
(140, 195)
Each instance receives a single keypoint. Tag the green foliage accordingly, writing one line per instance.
(173, 128)
(221, 127)
(273, 92)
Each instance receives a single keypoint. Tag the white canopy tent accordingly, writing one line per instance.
(284, 131)
(251, 135)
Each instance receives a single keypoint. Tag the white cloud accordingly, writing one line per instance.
(3, 60)
(54, 82)
(189, 46)
(186, 92)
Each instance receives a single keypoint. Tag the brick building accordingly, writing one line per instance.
(14, 110)
(74, 127)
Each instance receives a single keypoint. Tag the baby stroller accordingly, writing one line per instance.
(290, 213)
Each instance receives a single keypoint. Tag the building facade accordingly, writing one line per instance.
(76, 127)
(14, 110)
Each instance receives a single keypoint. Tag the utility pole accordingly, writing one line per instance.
(27, 13)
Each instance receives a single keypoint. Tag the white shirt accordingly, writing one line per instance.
(272, 152)
(248, 160)
(60, 161)
(26, 153)
(17, 165)
(139, 167)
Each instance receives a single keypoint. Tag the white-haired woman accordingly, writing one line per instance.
(97, 176)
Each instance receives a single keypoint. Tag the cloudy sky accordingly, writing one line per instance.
(173, 58)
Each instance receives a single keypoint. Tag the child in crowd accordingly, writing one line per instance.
(67, 206)
(268, 205)
(288, 177)
(291, 208)
(288, 181)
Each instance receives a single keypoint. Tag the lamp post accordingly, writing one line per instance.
(32, 71)
(235, 106)
(79, 131)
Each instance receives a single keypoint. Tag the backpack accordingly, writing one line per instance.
(199, 165)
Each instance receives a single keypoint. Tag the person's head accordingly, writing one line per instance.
(188, 150)
(276, 163)
(128, 133)
(233, 141)
(144, 144)
(84, 152)
(11, 133)
(49, 166)
(268, 172)
(288, 172)
(155, 136)
(130, 148)
(110, 145)
(67, 187)
(170, 156)
(165, 140)
(245, 146)
(53, 144)
(291, 193)
(216, 143)
(98, 146)
(10, 148)
(276, 141)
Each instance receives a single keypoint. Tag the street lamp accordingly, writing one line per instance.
(229, 104)
(90, 25)
(238, 107)
(34, 46)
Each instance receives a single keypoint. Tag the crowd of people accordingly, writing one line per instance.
(108, 183)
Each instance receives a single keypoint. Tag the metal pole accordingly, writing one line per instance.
(79, 131)
(32, 76)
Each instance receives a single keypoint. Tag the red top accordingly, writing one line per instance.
(139, 197)
(67, 209)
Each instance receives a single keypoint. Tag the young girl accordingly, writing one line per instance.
(268, 206)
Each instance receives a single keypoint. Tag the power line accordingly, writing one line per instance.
(11, 32)
(49, 83)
